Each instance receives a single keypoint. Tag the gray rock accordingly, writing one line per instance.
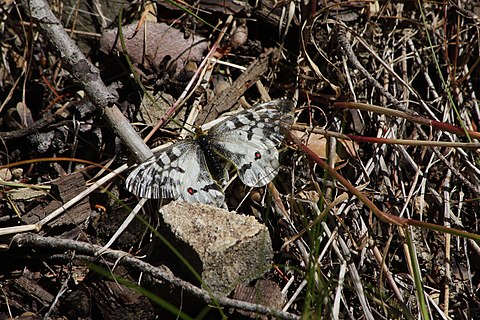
(225, 248)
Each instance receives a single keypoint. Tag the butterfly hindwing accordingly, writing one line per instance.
(255, 158)
(249, 140)
(197, 184)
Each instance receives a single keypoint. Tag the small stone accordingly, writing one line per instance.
(5, 174)
(232, 248)
(17, 174)
(264, 292)
(239, 36)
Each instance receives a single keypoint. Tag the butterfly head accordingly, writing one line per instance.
(199, 132)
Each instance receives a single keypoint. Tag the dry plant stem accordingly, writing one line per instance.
(342, 39)
(383, 216)
(58, 212)
(381, 261)
(404, 66)
(282, 213)
(343, 252)
(332, 146)
(339, 290)
(295, 295)
(408, 116)
(124, 225)
(441, 144)
(345, 44)
(185, 94)
(320, 216)
(447, 209)
(426, 143)
(160, 273)
(418, 59)
(229, 98)
(206, 68)
(87, 75)
(14, 87)
(69, 30)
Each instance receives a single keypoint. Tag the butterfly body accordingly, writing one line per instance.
(194, 169)
(212, 158)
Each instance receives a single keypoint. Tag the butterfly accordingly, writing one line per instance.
(194, 169)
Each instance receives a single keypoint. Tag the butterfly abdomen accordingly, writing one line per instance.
(213, 160)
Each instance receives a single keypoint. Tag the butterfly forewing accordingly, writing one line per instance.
(178, 172)
(248, 140)
(268, 120)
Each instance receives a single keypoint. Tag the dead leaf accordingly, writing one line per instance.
(318, 143)
(25, 115)
(153, 42)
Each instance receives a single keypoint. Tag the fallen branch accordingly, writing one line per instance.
(161, 273)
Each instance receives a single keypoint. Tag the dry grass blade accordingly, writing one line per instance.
(373, 209)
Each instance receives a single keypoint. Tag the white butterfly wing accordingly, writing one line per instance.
(270, 117)
(178, 172)
(255, 158)
(249, 140)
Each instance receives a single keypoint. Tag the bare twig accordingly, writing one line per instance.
(87, 75)
(38, 125)
(160, 273)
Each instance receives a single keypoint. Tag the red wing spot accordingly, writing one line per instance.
(258, 155)
(191, 191)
